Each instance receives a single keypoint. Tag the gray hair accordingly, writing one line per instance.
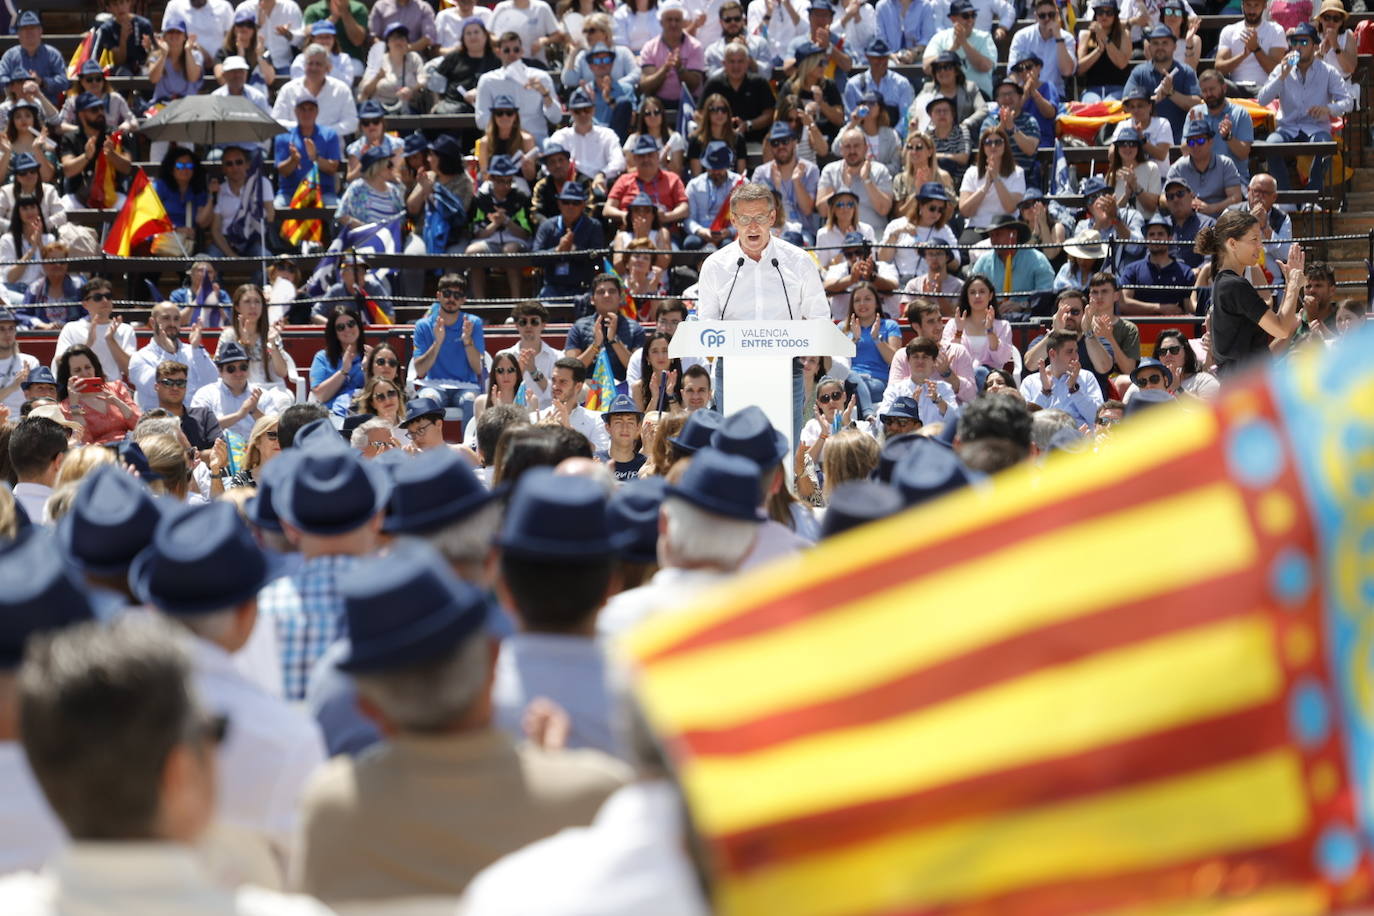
(696, 537)
(468, 540)
(214, 627)
(1045, 423)
(101, 708)
(314, 50)
(157, 426)
(749, 192)
(431, 696)
(734, 47)
(358, 438)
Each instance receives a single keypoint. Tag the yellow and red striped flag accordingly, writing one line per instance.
(1131, 682)
(80, 55)
(306, 195)
(104, 193)
(141, 218)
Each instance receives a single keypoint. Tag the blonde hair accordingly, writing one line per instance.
(252, 457)
(166, 456)
(61, 500)
(80, 462)
(9, 515)
(849, 455)
(661, 460)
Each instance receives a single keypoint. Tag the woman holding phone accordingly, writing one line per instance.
(106, 408)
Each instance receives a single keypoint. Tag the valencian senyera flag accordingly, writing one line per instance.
(306, 196)
(1131, 682)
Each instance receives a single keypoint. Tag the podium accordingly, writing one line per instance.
(758, 359)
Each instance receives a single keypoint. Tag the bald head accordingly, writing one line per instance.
(1264, 191)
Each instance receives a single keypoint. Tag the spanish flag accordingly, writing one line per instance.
(307, 194)
(85, 49)
(1130, 682)
(141, 218)
(103, 193)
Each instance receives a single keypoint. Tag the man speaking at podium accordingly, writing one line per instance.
(758, 277)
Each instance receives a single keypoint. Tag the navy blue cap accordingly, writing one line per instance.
(781, 130)
(1126, 134)
(870, 97)
(903, 407)
(504, 102)
(23, 162)
(1302, 29)
(202, 559)
(806, 49)
(371, 110)
(961, 6)
(112, 518)
(394, 28)
(573, 192)
(446, 146)
(406, 608)
(581, 98)
(230, 352)
(431, 490)
(416, 143)
(721, 484)
(553, 148)
(622, 404)
(858, 502)
(1197, 127)
(928, 469)
(40, 376)
(91, 68)
(1159, 219)
(422, 407)
(1093, 186)
(1029, 58)
(87, 101)
(1160, 31)
(633, 510)
(330, 491)
(877, 48)
(503, 167)
(645, 145)
(28, 18)
(131, 453)
(554, 517)
(39, 591)
(1136, 92)
(854, 240)
(933, 190)
(718, 155)
(749, 433)
(697, 431)
(371, 157)
(1031, 195)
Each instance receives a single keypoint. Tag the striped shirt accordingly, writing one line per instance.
(366, 205)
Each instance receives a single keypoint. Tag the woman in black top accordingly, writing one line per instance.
(1243, 324)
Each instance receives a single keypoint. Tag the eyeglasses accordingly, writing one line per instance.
(1169, 350)
(1153, 378)
(234, 368)
(1177, 195)
(763, 219)
(97, 297)
(368, 122)
(418, 430)
(1197, 141)
(896, 421)
(382, 444)
(529, 322)
(385, 361)
(230, 163)
(731, 18)
(718, 109)
(1046, 17)
(348, 325)
(994, 141)
(386, 395)
(505, 370)
(1299, 42)
(504, 113)
(1108, 421)
(827, 398)
(172, 382)
(452, 292)
(185, 166)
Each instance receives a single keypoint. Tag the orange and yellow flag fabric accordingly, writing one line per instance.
(141, 218)
(307, 194)
(104, 192)
(1130, 682)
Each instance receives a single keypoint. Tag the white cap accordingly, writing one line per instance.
(669, 5)
(235, 63)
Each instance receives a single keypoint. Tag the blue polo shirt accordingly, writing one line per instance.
(1185, 233)
(1146, 78)
(1146, 273)
(326, 146)
(452, 362)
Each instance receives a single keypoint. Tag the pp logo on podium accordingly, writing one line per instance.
(711, 337)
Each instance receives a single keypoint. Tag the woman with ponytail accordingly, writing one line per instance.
(1243, 324)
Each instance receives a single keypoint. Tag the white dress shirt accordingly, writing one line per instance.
(10, 367)
(147, 878)
(587, 422)
(598, 150)
(669, 589)
(74, 332)
(284, 12)
(32, 834)
(33, 497)
(762, 292)
(268, 753)
(337, 108)
(535, 112)
(143, 371)
(210, 23)
(223, 402)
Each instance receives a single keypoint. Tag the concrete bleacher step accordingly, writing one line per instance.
(1351, 270)
(1363, 181)
(1358, 202)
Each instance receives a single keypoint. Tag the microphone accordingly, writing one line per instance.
(738, 264)
(784, 288)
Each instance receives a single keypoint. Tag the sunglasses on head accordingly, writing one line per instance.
(348, 325)
(1169, 350)
(827, 398)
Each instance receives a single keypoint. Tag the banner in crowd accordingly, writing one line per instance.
(140, 219)
(1135, 681)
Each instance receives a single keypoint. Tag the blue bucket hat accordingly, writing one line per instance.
(554, 148)
(230, 352)
(87, 101)
(330, 491)
(1127, 135)
(1091, 187)
(91, 68)
(721, 484)
(418, 408)
(933, 190)
(1150, 362)
(446, 146)
(877, 48)
(1160, 31)
(258, 507)
(697, 431)
(406, 608)
(202, 559)
(781, 130)
(502, 167)
(1302, 29)
(581, 98)
(371, 157)
(749, 433)
(323, 27)
(892, 451)
(854, 240)
(416, 143)
(371, 110)
(1197, 127)
(556, 518)
(642, 200)
(806, 49)
(504, 102)
(23, 162)
(573, 192)
(318, 434)
(718, 155)
(177, 24)
(622, 404)
(39, 591)
(929, 469)
(633, 510)
(1031, 196)
(431, 490)
(858, 502)
(645, 145)
(903, 407)
(112, 518)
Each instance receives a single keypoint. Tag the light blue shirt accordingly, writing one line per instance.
(1028, 41)
(571, 671)
(1299, 92)
(893, 88)
(912, 29)
(704, 200)
(1030, 271)
(1081, 404)
(1242, 130)
(811, 179)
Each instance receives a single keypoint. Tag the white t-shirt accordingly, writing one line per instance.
(991, 207)
(10, 366)
(533, 22)
(448, 25)
(74, 332)
(1271, 39)
(1159, 131)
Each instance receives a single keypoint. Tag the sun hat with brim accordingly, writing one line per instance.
(929, 469)
(112, 518)
(633, 509)
(1087, 245)
(419, 408)
(1009, 221)
(202, 559)
(697, 431)
(858, 502)
(39, 591)
(54, 412)
(934, 190)
(721, 484)
(552, 517)
(1150, 362)
(750, 433)
(1332, 6)
(430, 490)
(406, 608)
(330, 491)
